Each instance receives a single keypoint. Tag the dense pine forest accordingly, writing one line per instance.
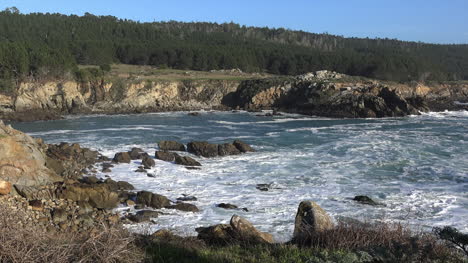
(52, 45)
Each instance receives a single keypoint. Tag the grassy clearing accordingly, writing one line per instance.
(136, 72)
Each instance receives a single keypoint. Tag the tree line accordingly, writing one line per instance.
(52, 45)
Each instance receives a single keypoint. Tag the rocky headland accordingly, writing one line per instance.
(321, 93)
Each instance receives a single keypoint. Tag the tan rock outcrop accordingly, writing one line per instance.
(310, 218)
(22, 161)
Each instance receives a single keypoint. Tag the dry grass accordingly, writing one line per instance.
(389, 240)
(29, 244)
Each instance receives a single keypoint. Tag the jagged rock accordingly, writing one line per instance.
(137, 153)
(310, 218)
(118, 186)
(98, 195)
(5, 187)
(148, 162)
(171, 146)
(32, 193)
(152, 200)
(227, 149)
(22, 160)
(70, 160)
(363, 199)
(122, 157)
(85, 207)
(184, 207)
(143, 216)
(165, 156)
(238, 230)
(106, 170)
(204, 149)
(242, 146)
(185, 160)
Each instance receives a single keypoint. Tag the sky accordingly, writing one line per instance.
(433, 21)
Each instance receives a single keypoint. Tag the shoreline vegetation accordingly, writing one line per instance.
(53, 211)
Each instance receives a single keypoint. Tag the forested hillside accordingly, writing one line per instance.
(53, 44)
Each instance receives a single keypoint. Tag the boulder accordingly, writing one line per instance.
(148, 162)
(187, 198)
(171, 146)
(143, 216)
(137, 153)
(310, 218)
(204, 149)
(238, 230)
(98, 195)
(165, 156)
(245, 231)
(32, 193)
(185, 160)
(242, 146)
(5, 187)
(184, 207)
(230, 206)
(227, 149)
(122, 157)
(22, 159)
(152, 200)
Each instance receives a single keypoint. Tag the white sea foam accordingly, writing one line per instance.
(416, 166)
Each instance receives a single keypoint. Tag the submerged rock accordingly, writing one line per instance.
(184, 207)
(310, 218)
(137, 153)
(143, 216)
(228, 149)
(187, 198)
(171, 146)
(230, 206)
(363, 199)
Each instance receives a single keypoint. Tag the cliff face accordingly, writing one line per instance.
(321, 93)
(335, 95)
(72, 97)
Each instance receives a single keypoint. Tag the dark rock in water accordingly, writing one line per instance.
(227, 206)
(204, 149)
(310, 218)
(107, 165)
(187, 198)
(151, 175)
(148, 162)
(122, 185)
(263, 187)
(137, 153)
(106, 170)
(165, 156)
(242, 146)
(363, 199)
(227, 149)
(194, 114)
(122, 157)
(185, 160)
(184, 207)
(143, 216)
(192, 168)
(118, 186)
(152, 200)
(171, 146)
(140, 170)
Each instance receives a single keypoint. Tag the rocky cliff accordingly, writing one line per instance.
(330, 94)
(322, 93)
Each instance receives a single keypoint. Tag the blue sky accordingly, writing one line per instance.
(436, 21)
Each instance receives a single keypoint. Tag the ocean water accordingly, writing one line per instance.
(417, 166)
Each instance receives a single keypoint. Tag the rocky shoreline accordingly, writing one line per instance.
(321, 93)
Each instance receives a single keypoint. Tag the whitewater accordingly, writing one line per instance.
(417, 166)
